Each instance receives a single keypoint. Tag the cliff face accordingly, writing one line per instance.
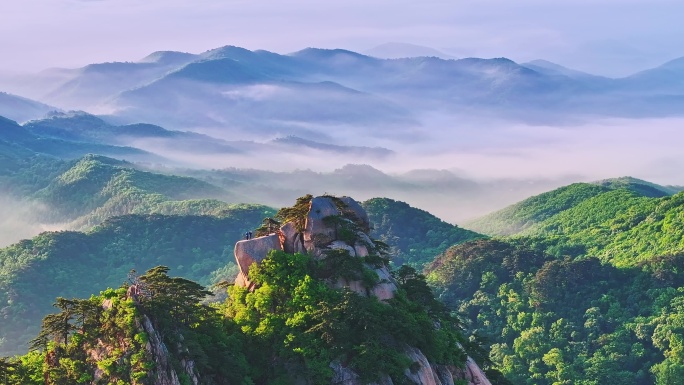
(164, 372)
(340, 225)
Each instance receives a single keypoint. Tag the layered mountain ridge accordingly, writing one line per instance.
(226, 86)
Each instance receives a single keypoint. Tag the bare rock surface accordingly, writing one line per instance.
(252, 251)
(359, 213)
(316, 231)
(164, 372)
(474, 375)
(423, 374)
(386, 287)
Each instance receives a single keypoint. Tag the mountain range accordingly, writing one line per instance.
(254, 93)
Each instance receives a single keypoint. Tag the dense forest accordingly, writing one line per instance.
(567, 321)
(579, 285)
(415, 236)
(292, 327)
(75, 264)
(588, 290)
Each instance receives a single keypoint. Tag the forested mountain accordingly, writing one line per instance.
(415, 236)
(22, 109)
(620, 227)
(265, 92)
(555, 320)
(622, 221)
(18, 142)
(564, 301)
(587, 291)
(94, 188)
(297, 321)
(75, 264)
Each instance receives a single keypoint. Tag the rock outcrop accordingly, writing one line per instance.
(331, 224)
(334, 225)
(249, 252)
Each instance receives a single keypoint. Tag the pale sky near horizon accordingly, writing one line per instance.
(614, 37)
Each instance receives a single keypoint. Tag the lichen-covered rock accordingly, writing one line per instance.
(252, 251)
(164, 372)
(290, 233)
(344, 375)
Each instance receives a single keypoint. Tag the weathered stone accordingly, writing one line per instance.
(344, 375)
(360, 250)
(290, 233)
(316, 230)
(474, 374)
(164, 373)
(423, 373)
(383, 291)
(299, 244)
(364, 238)
(340, 245)
(242, 281)
(252, 251)
(359, 213)
(444, 374)
(319, 236)
(386, 288)
(355, 286)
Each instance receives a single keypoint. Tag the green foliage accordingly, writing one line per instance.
(621, 221)
(297, 213)
(619, 227)
(525, 214)
(109, 334)
(414, 236)
(299, 324)
(73, 264)
(567, 321)
(95, 188)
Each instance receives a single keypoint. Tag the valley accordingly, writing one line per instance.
(490, 234)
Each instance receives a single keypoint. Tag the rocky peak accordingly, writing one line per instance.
(329, 224)
(326, 227)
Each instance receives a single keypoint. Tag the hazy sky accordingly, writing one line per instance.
(611, 37)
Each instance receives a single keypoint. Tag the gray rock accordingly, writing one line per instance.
(346, 376)
(424, 375)
(444, 374)
(316, 232)
(365, 239)
(386, 288)
(252, 251)
(343, 375)
(340, 245)
(474, 375)
(290, 233)
(360, 250)
(315, 239)
(359, 213)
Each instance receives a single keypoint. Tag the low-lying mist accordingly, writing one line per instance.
(20, 220)
(458, 168)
